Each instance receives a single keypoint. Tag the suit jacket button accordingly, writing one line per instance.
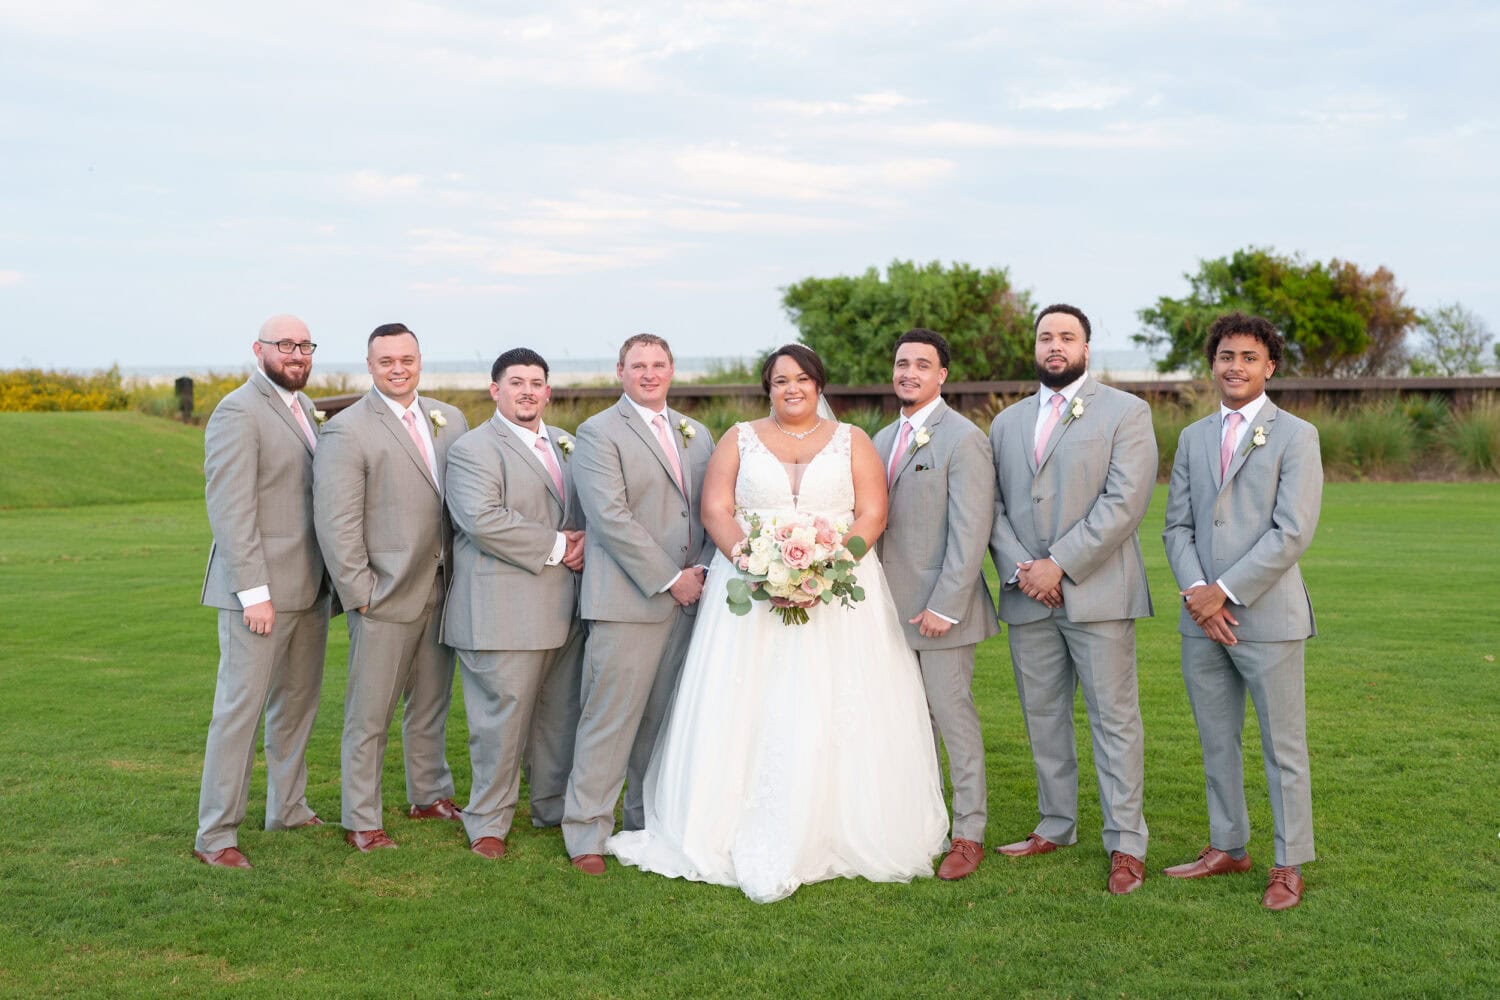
(684, 513)
(1218, 524)
(684, 548)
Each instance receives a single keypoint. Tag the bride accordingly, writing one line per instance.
(793, 753)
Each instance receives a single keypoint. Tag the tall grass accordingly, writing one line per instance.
(1475, 437)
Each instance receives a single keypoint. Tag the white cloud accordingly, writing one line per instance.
(456, 288)
(733, 171)
(1072, 97)
(373, 184)
(863, 104)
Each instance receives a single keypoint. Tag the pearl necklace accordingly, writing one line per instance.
(793, 434)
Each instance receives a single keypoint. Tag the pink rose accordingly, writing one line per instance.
(797, 555)
(826, 535)
(812, 586)
(743, 563)
(783, 532)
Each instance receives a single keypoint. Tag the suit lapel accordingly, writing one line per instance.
(1085, 394)
(1031, 408)
(274, 401)
(1266, 419)
(397, 430)
(633, 420)
(930, 426)
(525, 456)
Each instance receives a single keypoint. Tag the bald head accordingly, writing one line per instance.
(290, 368)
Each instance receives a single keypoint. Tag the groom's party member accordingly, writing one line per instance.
(942, 499)
(385, 534)
(1074, 469)
(639, 470)
(512, 610)
(1247, 486)
(265, 575)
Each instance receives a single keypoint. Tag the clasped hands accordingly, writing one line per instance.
(1041, 580)
(1205, 604)
(689, 586)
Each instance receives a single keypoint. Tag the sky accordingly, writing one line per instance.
(562, 175)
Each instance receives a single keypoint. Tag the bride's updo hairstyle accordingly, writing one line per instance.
(803, 357)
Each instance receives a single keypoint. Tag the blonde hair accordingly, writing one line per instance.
(648, 339)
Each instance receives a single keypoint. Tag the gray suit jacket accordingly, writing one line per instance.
(1081, 506)
(506, 515)
(941, 504)
(379, 512)
(642, 530)
(1251, 529)
(259, 472)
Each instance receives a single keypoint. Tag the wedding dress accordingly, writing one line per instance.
(793, 753)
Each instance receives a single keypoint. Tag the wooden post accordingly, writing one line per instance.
(184, 388)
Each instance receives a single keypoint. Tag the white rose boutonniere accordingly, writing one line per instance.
(686, 430)
(321, 416)
(920, 438)
(1075, 410)
(1257, 440)
(565, 445)
(438, 420)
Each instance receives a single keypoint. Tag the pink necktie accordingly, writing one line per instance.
(307, 431)
(896, 456)
(551, 463)
(1051, 422)
(1226, 450)
(660, 423)
(410, 420)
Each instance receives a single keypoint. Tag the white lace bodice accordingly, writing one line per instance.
(765, 484)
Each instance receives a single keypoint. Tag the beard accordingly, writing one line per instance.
(1067, 376)
(287, 380)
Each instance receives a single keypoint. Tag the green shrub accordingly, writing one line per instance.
(1475, 437)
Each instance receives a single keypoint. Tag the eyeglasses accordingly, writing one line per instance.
(288, 346)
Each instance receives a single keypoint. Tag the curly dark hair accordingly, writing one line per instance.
(919, 335)
(1251, 326)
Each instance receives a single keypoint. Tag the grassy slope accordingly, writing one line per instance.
(67, 459)
(106, 664)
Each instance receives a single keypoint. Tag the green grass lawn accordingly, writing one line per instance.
(106, 683)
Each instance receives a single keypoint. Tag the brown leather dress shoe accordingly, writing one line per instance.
(1126, 873)
(229, 857)
(1283, 891)
(366, 841)
(1033, 844)
(314, 821)
(489, 847)
(441, 809)
(963, 857)
(589, 864)
(1210, 862)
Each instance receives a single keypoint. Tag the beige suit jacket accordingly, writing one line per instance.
(379, 512)
(1250, 529)
(506, 515)
(642, 528)
(941, 504)
(258, 468)
(1081, 506)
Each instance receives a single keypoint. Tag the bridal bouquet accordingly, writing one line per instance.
(794, 564)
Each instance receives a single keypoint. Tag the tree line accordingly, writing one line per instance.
(1337, 318)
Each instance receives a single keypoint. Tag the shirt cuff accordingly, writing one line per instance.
(1228, 593)
(671, 583)
(558, 548)
(950, 621)
(255, 595)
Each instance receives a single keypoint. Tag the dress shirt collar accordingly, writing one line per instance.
(289, 398)
(1249, 411)
(918, 419)
(400, 410)
(1067, 392)
(647, 415)
(528, 437)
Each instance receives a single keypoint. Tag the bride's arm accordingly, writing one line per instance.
(718, 492)
(869, 488)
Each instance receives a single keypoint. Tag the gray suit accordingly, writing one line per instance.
(514, 622)
(387, 541)
(942, 500)
(1081, 507)
(1249, 531)
(258, 467)
(642, 531)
